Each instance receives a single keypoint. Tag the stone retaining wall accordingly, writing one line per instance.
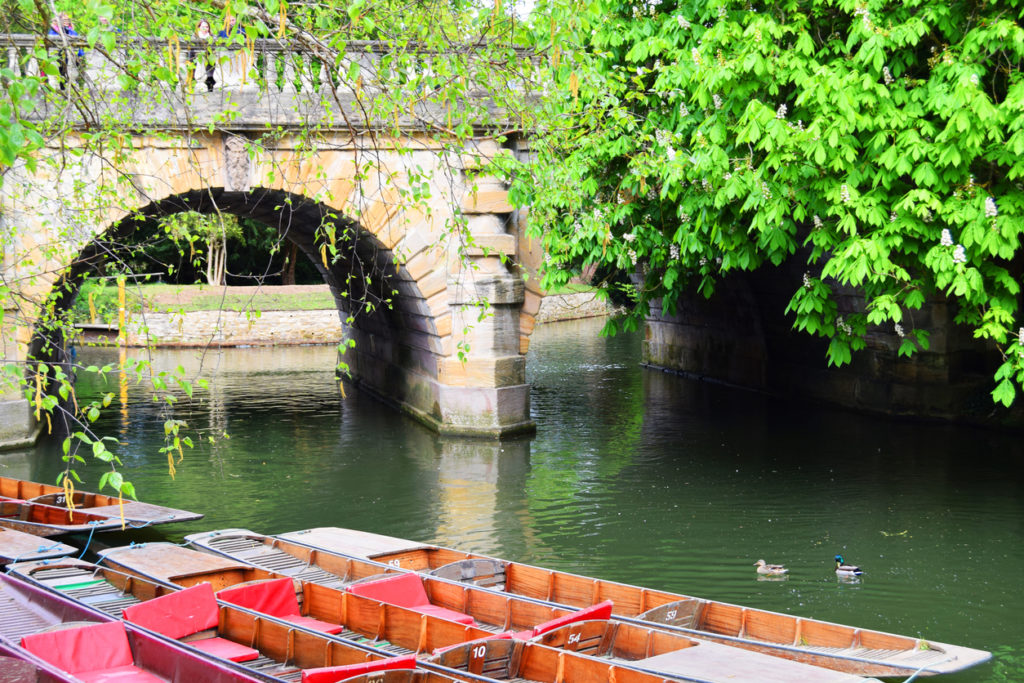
(229, 328)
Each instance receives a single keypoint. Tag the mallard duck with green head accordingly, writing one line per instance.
(843, 569)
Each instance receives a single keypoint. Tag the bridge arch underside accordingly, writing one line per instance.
(400, 341)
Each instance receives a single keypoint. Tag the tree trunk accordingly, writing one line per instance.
(291, 253)
(216, 257)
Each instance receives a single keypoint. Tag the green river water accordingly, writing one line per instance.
(634, 475)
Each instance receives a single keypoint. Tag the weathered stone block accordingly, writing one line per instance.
(483, 372)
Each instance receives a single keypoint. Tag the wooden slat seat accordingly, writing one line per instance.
(479, 572)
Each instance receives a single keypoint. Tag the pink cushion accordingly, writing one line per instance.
(177, 614)
(86, 648)
(314, 624)
(120, 674)
(331, 674)
(406, 590)
(275, 597)
(225, 649)
(602, 610)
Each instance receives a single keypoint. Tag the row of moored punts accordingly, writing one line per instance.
(331, 604)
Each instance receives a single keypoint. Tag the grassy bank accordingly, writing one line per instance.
(97, 301)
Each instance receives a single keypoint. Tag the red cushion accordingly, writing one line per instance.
(444, 613)
(602, 610)
(120, 674)
(314, 624)
(225, 649)
(404, 590)
(85, 648)
(275, 597)
(504, 635)
(177, 614)
(330, 674)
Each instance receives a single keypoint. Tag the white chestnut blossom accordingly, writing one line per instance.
(817, 222)
(887, 75)
(780, 113)
(628, 237)
(673, 251)
(899, 330)
(959, 254)
(844, 194)
(1020, 336)
(717, 99)
(695, 53)
(683, 23)
(991, 210)
(947, 238)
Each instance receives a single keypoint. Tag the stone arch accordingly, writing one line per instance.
(407, 354)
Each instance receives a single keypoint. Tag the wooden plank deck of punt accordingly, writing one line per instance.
(844, 648)
(284, 648)
(18, 546)
(135, 513)
(630, 644)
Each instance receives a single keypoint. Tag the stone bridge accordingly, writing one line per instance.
(419, 244)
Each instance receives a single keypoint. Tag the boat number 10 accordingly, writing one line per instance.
(479, 651)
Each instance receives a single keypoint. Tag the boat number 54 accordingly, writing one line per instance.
(574, 638)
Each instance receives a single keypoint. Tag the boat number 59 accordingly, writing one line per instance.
(672, 613)
(395, 563)
(479, 651)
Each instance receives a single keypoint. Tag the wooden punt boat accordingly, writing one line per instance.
(588, 631)
(854, 650)
(16, 546)
(263, 648)
(59, 640)
(49, 520)
(135, 514)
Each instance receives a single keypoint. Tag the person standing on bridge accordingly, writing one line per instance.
(62, 26)
(203, 34)
(230, 27)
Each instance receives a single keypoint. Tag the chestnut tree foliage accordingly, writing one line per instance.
(878, 143)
